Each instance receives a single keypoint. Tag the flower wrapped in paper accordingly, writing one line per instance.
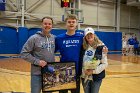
(90, 65)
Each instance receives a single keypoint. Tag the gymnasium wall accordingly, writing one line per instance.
(12, 40)
(113, 40)
(8, 40)
(102, 15)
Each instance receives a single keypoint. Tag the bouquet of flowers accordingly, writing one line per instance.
(90, 65)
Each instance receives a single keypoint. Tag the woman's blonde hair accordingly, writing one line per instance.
(96, 42)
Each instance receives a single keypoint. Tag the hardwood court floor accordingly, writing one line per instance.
(122, 75)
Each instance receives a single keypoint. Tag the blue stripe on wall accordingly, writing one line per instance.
(113, 40)
(11, 42)
(8, 40)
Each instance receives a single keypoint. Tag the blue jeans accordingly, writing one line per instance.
(91, 86)
(36, 84)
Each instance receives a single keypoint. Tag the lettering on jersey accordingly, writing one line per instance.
(49, 44)
(71, 43)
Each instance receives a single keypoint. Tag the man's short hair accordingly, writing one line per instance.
(71, 16)
(47, 17)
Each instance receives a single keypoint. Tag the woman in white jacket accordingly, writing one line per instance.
(94, 62)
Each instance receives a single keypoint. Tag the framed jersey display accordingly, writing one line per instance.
(59, 76)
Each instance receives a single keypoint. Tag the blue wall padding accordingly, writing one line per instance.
(32, 31)
(58, 31)
(11, 41)
(8, 40)
(22, 37)
(113, 40)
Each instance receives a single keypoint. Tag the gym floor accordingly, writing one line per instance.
(122, 75)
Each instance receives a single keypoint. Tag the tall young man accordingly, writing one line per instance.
(69, 45)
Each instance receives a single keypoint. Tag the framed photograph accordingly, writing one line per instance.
(59, 76)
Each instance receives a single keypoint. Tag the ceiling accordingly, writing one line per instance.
(122, 1)
(132, 3)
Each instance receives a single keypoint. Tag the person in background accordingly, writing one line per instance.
(69, 45)
(38, 50)
(124, 45)
(94, 62)
(131, 45)
(136, 46)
